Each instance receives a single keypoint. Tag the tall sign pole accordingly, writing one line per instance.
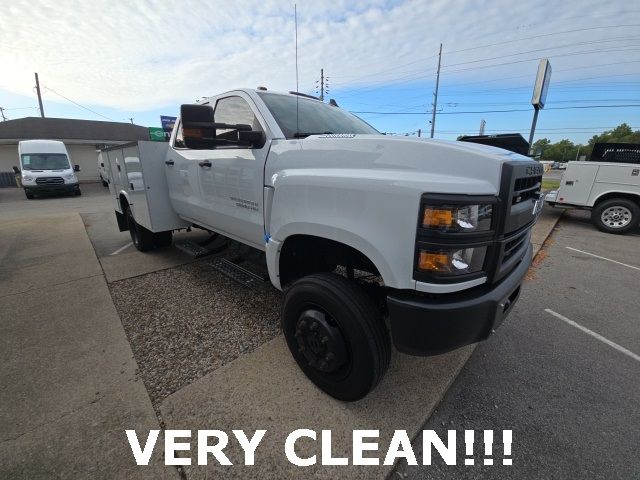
(539, 97)
(39, 96)
(435, 94)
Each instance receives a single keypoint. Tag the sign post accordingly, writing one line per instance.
(539, 97)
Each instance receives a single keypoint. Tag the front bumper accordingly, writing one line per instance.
(424, 325)
(51, 188)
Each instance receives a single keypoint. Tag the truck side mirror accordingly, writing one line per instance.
(251, 138)
(76, 168)
(16, 170)
(198, 130)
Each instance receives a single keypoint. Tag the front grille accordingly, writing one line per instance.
(526, 188)
(512, 247)
(49, 180)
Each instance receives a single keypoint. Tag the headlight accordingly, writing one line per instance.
(457, 218)
(454, 261)
(71, 176)
(26, 179)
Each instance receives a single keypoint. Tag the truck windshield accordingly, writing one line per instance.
(314, 117)
(44, 161)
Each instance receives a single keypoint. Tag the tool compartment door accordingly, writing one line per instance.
(577, 182)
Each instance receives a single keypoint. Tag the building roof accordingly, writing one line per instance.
(29, 128)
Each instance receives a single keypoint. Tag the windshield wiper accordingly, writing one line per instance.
(306, 134)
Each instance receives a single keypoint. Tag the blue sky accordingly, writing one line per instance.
(143, 59)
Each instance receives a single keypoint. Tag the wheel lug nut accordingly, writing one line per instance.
(324, 340)
(330, 356)
(313, 327)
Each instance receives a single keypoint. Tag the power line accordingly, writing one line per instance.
(76, 103)
(499, 111)
(545, 49)
(543, 35)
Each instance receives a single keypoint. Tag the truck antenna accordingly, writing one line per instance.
(295, 19)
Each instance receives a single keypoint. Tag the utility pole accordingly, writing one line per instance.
(39, 96)
(131, 120)
(4, 119)
(419, 132)
(435, 94)
(482, 125)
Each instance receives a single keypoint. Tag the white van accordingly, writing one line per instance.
(45, 168)
(102, 170)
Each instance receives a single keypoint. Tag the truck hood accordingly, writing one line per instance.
(445, 166)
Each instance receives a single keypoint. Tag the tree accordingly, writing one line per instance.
(539, 146)
(623, 133)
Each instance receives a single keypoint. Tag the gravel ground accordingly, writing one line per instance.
(187, 321)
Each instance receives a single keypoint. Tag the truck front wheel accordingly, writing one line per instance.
(617, 215)
(336, 335)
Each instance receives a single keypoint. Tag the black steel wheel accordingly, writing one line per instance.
(336, 335)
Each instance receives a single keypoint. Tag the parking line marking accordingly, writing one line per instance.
(603, 258)
(594, 334)
(121, 248)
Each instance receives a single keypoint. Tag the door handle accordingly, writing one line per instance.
(169, 162)
(206, 163)
(131, 186)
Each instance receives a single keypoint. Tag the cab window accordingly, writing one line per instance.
(234, 110)
(178, 142)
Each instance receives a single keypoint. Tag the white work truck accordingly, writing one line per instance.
(609, 186)
(441, 228)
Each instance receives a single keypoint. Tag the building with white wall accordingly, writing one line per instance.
(83, 138)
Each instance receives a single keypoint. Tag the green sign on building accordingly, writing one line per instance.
(157, 134)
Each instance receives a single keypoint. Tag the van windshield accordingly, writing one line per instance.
(45, 161)
(301, 117)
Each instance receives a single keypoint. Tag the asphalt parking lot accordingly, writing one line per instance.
(570, 396)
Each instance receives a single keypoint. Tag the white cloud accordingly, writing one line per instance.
(143, 54)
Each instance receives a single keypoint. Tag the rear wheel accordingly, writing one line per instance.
(618, 215)
(141, 237)
(163, 239)
(336, 335)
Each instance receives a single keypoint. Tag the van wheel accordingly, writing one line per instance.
(617, 215)
(29, 194)
(141, 237)
(336, 335)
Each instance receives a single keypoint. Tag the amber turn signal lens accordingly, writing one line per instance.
(192, 132)
(435, 262)
(436, 218)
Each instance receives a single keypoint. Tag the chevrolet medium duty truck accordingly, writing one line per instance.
(374, 240)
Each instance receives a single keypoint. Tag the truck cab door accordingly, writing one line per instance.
(231, 177)
(181, 168)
